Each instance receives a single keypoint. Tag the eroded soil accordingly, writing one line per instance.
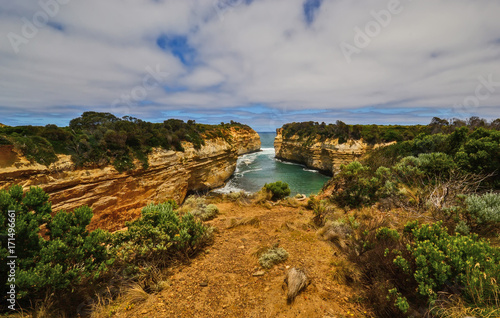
(220, 282)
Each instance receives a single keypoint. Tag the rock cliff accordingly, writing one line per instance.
(118, 197)
(326, 156)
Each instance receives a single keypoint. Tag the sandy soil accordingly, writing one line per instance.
(220, 282)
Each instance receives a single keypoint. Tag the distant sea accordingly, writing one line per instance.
(256, 169)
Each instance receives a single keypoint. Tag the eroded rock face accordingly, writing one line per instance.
(118, 197)
(245, 140)
(326, 156)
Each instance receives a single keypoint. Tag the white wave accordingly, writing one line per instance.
(290, 163)
(228, 188)
(310, 170)
(266, 150)
(251, 170)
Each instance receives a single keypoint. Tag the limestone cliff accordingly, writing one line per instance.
(326, 155)
(245, 140)
(118, 197)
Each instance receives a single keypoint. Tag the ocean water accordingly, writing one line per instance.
(258, 168)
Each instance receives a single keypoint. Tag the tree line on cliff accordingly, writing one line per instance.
(309, 132)
(97, 139)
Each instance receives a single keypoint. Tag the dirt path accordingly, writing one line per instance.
(220, 282)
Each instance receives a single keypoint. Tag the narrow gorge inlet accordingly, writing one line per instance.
(250, 159)
(254, 170)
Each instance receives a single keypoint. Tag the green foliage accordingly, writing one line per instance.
(481, 212)
(69, 258)
(211, 211)
(309, 131)
(272, 257)
(70, 262)
(385, 233)
(159, 236)
(475, 152)
(278, 189)
(438, 259)
(400, 301)
(355, 185)
(36, 148)
(98, 139)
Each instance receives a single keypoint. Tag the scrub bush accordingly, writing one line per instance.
(278, 189)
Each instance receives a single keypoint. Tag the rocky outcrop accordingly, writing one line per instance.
(245, 140)
(118, 197)
(326, 156)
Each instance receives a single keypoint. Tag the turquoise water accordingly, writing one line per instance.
(256, 169)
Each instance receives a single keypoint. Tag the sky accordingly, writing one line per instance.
(259, 62)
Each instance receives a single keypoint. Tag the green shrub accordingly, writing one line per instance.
(438, 259)
(484, 210)
(385, 233)
(198, 207)
(356, 185)
(160, 235)
(272, 257)
(210, 212)
(278, 189)
(70, 259)
(36, 149)
(206, 212)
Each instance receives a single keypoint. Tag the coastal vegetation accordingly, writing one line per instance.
(420, 221)
(277, 190)
(312, 131)
(411, 229)
(59, 261)
(97, 139)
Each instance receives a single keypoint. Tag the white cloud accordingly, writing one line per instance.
(430, 55)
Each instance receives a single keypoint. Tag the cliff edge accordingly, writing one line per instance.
(326, 155)
(118, 197)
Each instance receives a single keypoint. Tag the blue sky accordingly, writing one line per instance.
(260, 62)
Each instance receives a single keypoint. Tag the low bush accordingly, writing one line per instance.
(159, 236)
(71, 259)
(60, 260)
(278, 189)
(436, 261)
(199, 208)
(272, 257)
(483, 211)
(355, 185)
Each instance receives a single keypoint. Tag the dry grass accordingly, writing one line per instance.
(336, 233)
(452, 306)
(136, 294)
(42, 309)
(345, 272)
(235, 222)
(290, 202)
(103, 306)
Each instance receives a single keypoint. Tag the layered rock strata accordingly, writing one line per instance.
(118, 197)
(326, 156)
